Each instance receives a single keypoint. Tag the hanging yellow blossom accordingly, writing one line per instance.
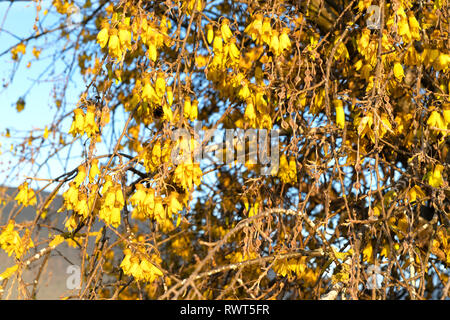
(26, 196)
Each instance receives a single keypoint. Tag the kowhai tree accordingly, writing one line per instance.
(358, 207)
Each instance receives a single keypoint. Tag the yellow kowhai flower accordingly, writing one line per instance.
(71, 223)
(26, 196)
(114, 44)
(90, 126)
(275, 43)
(287, 170)
(436, 120)
(173, 204)
(81, 206)
(149, 93)
(254, 29)
(218, 43)
(11, 242)
(285, 42)
(8, 272)
(250, 113)
(225, 30)
(194, 110)
(435, 177)
(187, 107)
(124, 37)
(244, 91)
(137, 199)
(70, 197)
(266, 31)
(398, 71)
(36, 52)
(77, 126)
(10, 239)
(186, 174)
(169, 94)
(110, 215)
(340, 115)
(160, 85)
(112, 204)
(234, 51)
(139, 267)
(414, 26)
(168, 114)
(94, 170)
(209, 33)
(103, 36)
(292, 170)
(81, 175)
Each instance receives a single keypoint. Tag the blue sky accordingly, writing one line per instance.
(16, 21)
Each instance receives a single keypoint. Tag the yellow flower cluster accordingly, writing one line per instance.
(84, 123)
(190, 110)
(149, 205)
(152, 36)
(76, 201)
(237, 257)
(407, 25)
(26, 196)
(112, 202)
(227, 54)
(188, 173)
(118, 39)
(257, 111)
(139, 267)
(153, 96)
(11, 242)
(182, 247)
(295, 267)
(253, 209)
(189, 5)
(287, 171)
(261, 31)
(62, 6)
(20, 48)
(442, 242)
(158, 155)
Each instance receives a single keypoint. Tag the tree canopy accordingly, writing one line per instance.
(355, 204)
